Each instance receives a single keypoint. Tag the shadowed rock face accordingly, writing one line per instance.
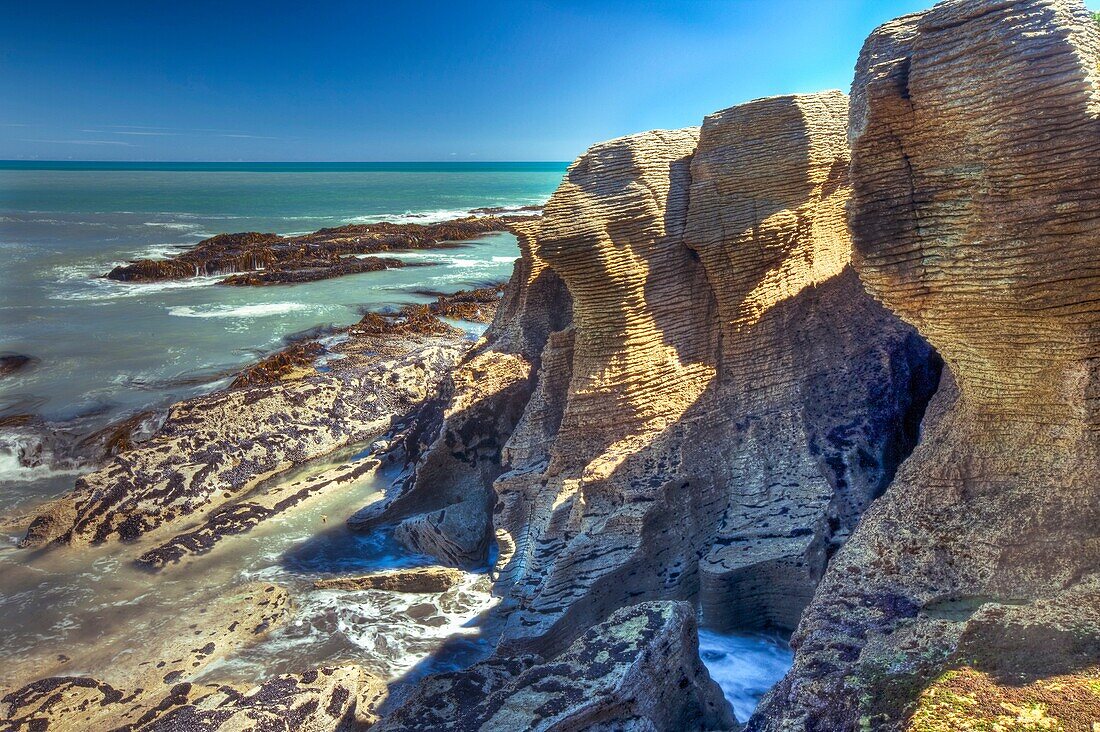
(444, 508)
(726, 399)
(639, 670)
(976, 174)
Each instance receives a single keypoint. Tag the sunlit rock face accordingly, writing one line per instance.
(818, 384)
(975, 216)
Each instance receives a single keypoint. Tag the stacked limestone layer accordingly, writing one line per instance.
(976, 217)
(735, 399)
(721, 406)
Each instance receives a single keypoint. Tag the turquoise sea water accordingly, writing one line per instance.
(107, 349)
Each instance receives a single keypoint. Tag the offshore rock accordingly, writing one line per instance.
(975, 131)
(11, 363)
(638, 671)
(418, 579)
(475, 306)
(322, 254)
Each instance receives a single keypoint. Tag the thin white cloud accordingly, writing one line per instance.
(133, 132)
(81, 142)
(252, 137)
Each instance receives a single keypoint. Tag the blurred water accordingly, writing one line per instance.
(745, 666)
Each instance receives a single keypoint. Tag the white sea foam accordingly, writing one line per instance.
(238, 311)
(413, 217)
(94, 287)
(394, 631)
(15, 466)
(193, 229)
(745, 666)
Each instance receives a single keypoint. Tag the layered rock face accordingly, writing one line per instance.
(705, 446)
(722, 405)
(976, 217)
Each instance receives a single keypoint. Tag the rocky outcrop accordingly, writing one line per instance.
(701, 447)
(639, 670)
(475, 306)
(314, 268)
(444, 507)
(975, 131)
(417, 579)
(203, 470)
(11, 363)
(155, 689)
(230, 621)
(273, 259)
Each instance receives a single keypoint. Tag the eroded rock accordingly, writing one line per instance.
(639, 670)
(417, 579)
(976, 174)
(272, 259)
(212, 451)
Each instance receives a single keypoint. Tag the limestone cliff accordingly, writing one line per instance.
(720, 408)
(444, 507)
(976, 217)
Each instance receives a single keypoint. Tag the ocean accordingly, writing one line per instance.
(105, 350)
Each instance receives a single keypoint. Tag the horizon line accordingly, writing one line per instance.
(276, 162)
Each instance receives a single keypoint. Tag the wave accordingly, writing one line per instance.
(745, 666)
(96, 287)
(238, 311)
(24, 459)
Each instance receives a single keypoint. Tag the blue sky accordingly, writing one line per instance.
(365, 81)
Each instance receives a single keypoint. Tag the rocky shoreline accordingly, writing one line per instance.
(823, 365)
(253, 259)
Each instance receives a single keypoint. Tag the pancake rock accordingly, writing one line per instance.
(725, 400)
(735, 399)
(976, 217)
(639, 670)
(204, 468)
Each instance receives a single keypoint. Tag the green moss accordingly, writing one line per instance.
(1096, 17)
